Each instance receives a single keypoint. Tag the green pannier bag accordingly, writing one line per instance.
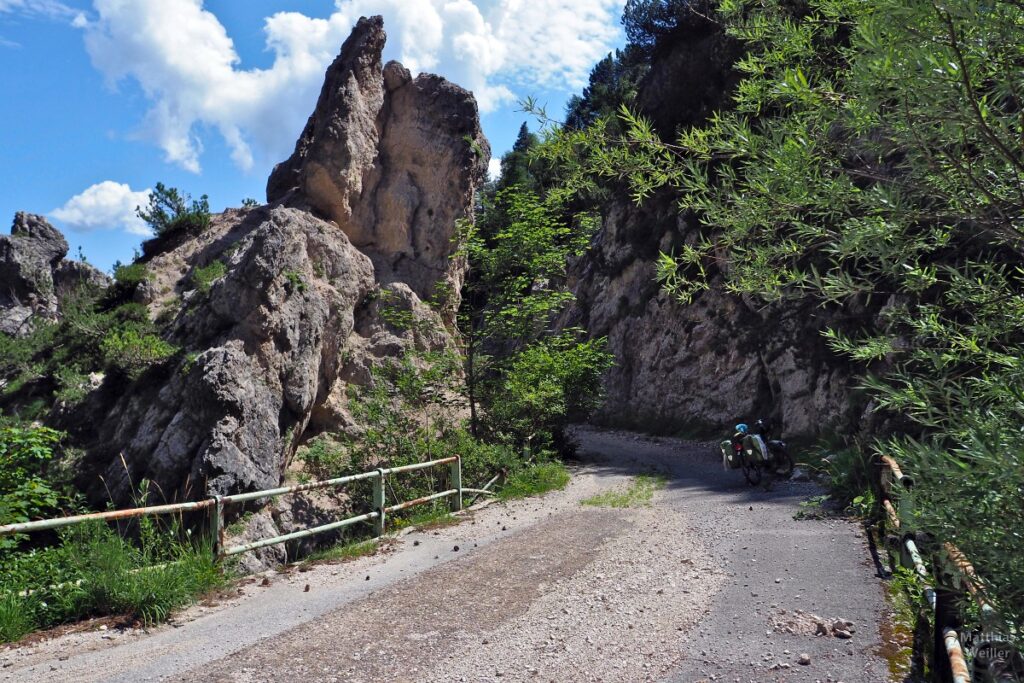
(754, 449)
(730, 457)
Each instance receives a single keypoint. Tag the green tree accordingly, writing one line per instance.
(613, 83)
(518, 255)
(170, 211)
(649, 23)
(515, 164)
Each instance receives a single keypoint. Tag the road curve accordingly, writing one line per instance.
(702, 585)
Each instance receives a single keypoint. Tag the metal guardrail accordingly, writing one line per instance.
(218, 504)
(942, 599)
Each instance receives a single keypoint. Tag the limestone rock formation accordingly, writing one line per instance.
(392, 160)
(698, 369)
(360, 221)
(34, 274)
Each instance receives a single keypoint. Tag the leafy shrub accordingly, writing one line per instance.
(203, 278)
(296, 280)
(130, 275)
(171, 211)
(74, 386)
(132, 350)
(53, 361)
(535, 480)
(324, 458)
(25, 494)
(973, 496)
(550, 383)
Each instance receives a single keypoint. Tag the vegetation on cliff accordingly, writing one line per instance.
(871, 164)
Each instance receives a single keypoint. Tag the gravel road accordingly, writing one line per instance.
(702, 585)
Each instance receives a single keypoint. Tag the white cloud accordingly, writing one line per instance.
(105, 206)
(46, 8)
(187, 66)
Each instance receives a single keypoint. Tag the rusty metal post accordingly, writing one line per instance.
(218, 528)
(956, 656)
(378, 503)
(456, 483)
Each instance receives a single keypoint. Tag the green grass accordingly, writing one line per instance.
(15, 621)
(639, 493)
(535, 480)
(436, 516)
(344, 551)
(95, 572)
(203, 278)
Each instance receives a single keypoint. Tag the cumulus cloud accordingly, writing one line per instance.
(186, 63)
(105, 206)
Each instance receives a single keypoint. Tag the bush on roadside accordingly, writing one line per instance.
(535, 480)
(25, 492)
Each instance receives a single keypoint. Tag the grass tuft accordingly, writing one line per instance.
(203, 278)
(535, 480)
(639, 493)
(344, 551)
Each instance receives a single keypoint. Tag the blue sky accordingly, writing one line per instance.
(104, 98)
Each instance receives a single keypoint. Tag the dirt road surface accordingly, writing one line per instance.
(713, 581)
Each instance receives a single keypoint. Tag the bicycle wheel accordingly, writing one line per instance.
(752, 473)
(783, 461)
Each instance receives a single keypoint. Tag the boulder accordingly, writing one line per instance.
(34, 275)
(265, 346)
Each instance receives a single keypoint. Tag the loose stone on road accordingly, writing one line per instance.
(713, 581)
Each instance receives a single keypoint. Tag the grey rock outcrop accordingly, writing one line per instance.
(269, 349)
(698, 368)
(393, 160)
(34, 274)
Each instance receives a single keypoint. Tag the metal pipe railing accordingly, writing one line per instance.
(218, 504)
(956, 656)
(961, 569)
(264, 542)
(298, 488)
(420, 501)
(58, 522)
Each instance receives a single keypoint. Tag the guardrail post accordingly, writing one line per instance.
(218, 528)
(378, 502)
(456, 483)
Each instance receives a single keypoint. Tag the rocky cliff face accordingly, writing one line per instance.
(702, 367)
(393, 161)
(361, 218)
(35, 275)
